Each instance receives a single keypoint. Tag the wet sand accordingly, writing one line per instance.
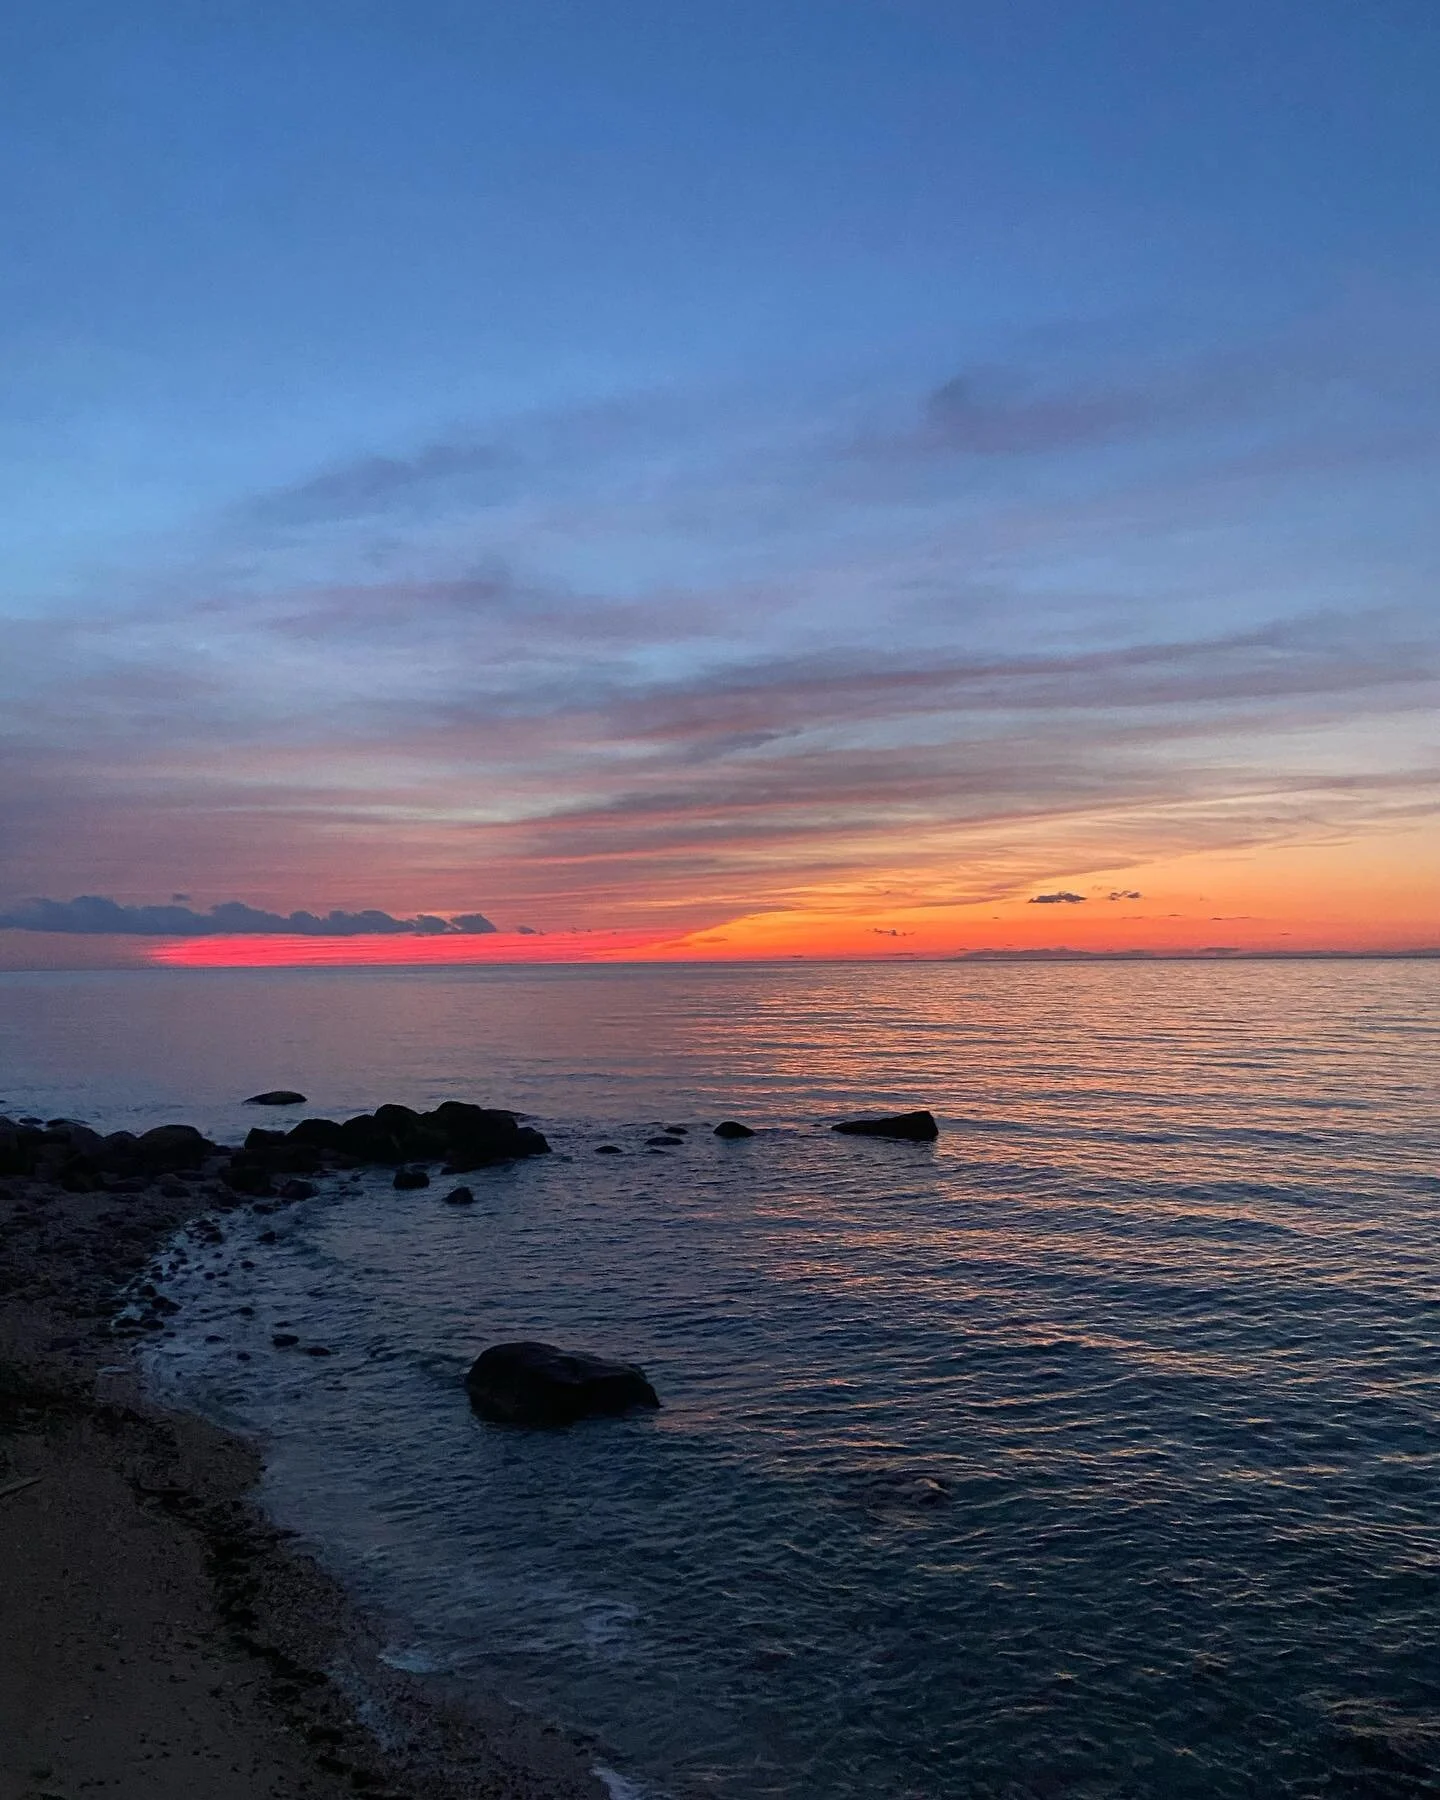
(158, 1638)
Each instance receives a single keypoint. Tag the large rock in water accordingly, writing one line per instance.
(918, 1127)
(537, 1384)
(277, 1097)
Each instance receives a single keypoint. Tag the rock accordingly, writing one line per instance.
(411, 1178)
(318, 1350)
(293, 1190)
(538, 1384)
(285, 1340)
(917, 1127)
(245, 1178)
(323, 1134)
(663, 1143)
(608, 1150)
(460, 1196)
(904, 1490)
(732, 1128)
(277, 1097)
(171, 1147)
(677, 1130)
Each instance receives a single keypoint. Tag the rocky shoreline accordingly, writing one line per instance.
(162, 1638)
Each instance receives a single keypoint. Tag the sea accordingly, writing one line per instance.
(1092, 1450)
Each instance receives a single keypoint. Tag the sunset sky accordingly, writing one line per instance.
(676, 479)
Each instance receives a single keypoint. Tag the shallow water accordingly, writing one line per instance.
(1092, 1451)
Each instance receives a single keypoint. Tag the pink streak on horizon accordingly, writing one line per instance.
(285, 952)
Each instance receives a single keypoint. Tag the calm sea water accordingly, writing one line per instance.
(1092, 1451)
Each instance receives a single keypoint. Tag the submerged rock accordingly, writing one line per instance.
(918, 1127)
(460, 1196)
(411, 1178)
(277, 1097)
(538, 1384)
(608, 1150)
(732, 1128)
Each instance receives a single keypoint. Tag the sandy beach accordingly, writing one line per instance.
(161, 1638)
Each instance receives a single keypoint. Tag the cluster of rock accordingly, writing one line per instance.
(456, 1134)
(82, 1161)
(518, 1383)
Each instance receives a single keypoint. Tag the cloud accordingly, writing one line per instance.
(472, 922)
(1060, 899)
(990, 414)
(95, 915)
(370, 485)
(1124, 894)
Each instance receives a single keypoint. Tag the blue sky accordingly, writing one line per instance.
(525, 412)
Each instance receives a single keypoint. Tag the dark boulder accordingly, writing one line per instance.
(460, 1196)
(411, 1178)
(280, 1155)
(401, 1122)
(324, 1134)
(917, 1127)
(608, 1150)
(482, 1152)
(666, 1141)
(277, 1097)
(16, 1153)
(247, 1178)
(363, 1138)
(538, 1384)
(258, 1135)
(732, 1128)
(171, 1147)
(294, 1190)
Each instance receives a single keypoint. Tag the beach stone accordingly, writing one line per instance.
(667, 1141)
(460, 1196)
(917, 1127)
(323, 1134)
(294, 1190)
(608, 1150)
(277, 1097)
(411, 1178)
(732, 1128)
(538, 1384)
(247, 1178)
(285, 1340)
(170, 1147)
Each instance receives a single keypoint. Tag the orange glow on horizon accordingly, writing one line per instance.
(1376, 893)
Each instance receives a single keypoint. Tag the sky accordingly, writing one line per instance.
(655, 479)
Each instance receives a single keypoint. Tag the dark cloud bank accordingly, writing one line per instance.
(95, 915)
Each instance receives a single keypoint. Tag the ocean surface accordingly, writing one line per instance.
(1092, 1451)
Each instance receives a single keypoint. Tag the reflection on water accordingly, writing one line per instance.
(1092, 1451)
